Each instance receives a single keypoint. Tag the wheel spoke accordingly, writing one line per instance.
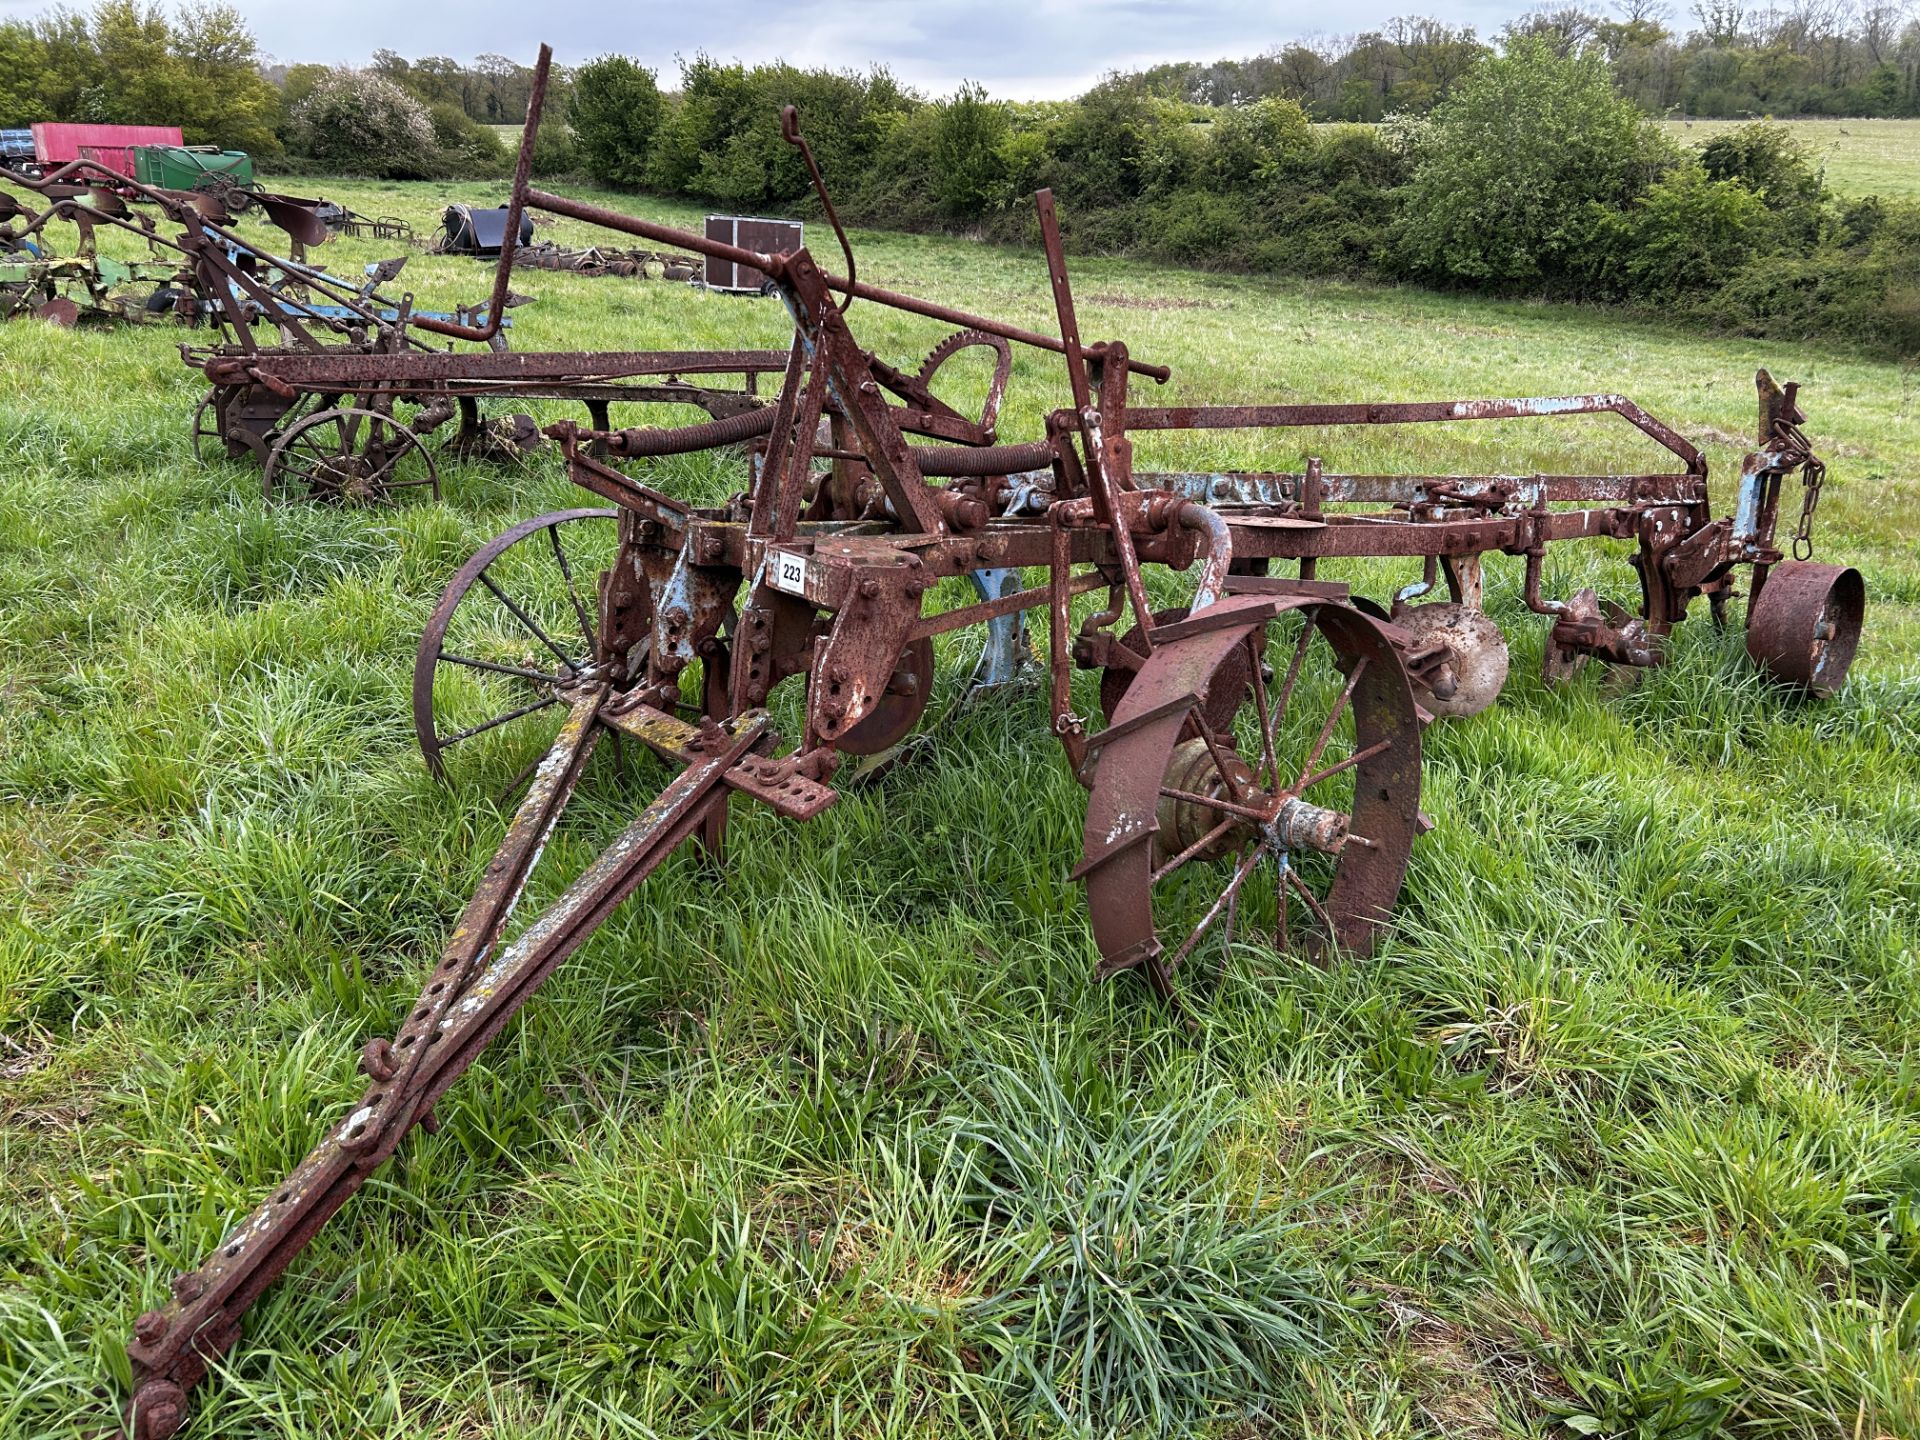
(498, 669)
(1313, 901)
(1219, 757)
(1286, 691)
(1269, 767)
(527, 620)
(376, 475)
(1213, 802)
(304, 439)
(1339, 709)
(573, 592)
(1192, 850)
(1213, 912)
(1357, 758)
(1282, 931)
(496, 722)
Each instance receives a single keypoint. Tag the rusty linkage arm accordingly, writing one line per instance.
(775, 266)
(472, 994)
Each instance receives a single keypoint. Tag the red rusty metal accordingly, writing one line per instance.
(1804, 624)
(1261, 761)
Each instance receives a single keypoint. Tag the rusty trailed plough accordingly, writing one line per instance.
(1252, 755)
(206, 273)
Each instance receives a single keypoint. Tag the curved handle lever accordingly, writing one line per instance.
(790, 132)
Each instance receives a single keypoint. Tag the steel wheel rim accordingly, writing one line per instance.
(337, 470)
(432, 665)
(1145, 850)
(209, 403)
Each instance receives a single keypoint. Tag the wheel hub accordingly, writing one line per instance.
(1300, 825)
(1185, 823)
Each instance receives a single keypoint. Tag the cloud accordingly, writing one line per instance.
(1018, 49)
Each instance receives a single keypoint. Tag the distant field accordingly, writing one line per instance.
(1862, 157)
(1618, 1130)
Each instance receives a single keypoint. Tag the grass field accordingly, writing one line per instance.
(1861, 157)
(1618, 1134)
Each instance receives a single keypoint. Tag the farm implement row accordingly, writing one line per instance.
(594, 260)
(1251, 756)
(206, 273)
(343, 405)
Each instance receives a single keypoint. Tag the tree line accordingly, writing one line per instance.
(1532, 175)
(1737, 60)
(1525, 167)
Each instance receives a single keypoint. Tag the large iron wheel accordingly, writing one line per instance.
(1804, 624)
(1262, 779)
(208, 435)
(348, 455)
(517, 626)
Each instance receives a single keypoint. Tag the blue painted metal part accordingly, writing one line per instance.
(1006, 651)
(1746, 513)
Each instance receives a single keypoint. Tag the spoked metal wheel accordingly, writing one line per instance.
(513, 632)
(1261, 783)
(349, 455)
(208, 434)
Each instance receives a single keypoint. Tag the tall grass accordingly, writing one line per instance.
(1617, 1134)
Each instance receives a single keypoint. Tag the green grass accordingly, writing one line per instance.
(1619, 1128)
(1861, 157)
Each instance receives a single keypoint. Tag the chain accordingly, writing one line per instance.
(1813, 475)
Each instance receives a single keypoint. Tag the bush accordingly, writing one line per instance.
(1770, 162)
(471, 150)
(969, 167)
(555, 151)
(615, 114)
(1253, 145)
(1692, 232)
(1200, 227)
(1863, 293)
(356, 123)
(1513, 161)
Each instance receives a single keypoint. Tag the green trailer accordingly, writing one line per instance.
(192, 167)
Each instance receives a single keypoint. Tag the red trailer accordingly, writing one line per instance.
(107, 145)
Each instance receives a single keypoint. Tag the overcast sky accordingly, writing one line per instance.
(1019, 49)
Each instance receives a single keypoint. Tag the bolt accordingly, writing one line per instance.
(187, 1287)
(161, 1406)
(150, 1328)
(837, 674)
(869, 588)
